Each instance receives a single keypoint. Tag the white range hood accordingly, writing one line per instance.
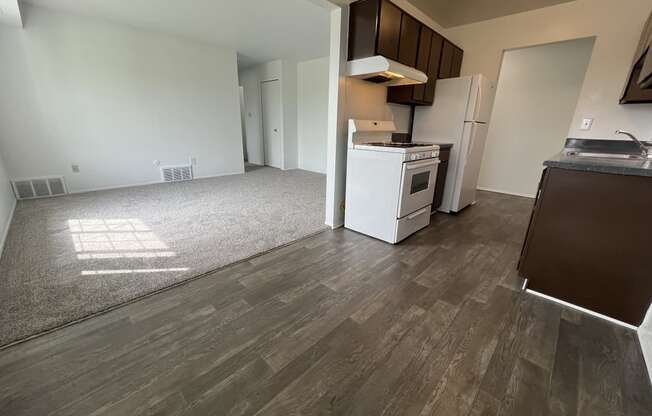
(385, 72)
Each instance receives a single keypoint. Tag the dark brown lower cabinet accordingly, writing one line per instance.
(444, 156)
(589, 242)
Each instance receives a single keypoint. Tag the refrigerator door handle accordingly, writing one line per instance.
(471, 135)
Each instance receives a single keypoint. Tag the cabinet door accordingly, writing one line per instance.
(446, 64)
(423, 58)
(440, 185)
(433, 67)
(456, 64)
(409, 43)
(389, 30)
(363, 20)
(634, 94)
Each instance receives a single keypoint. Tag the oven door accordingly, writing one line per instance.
(417, 186)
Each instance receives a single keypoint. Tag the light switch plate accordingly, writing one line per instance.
(587, 123)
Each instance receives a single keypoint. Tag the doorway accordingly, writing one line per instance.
(272, 105)
(537, 93)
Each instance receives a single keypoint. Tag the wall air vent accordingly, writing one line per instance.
(176, 173)
(39, 187)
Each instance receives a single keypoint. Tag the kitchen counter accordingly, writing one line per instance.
(587, 243)
(601, 165)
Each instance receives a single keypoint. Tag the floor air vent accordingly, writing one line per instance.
(176, 173)
(39, 187)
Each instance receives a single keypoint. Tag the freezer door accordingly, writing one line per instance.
(473, 143)
(481, 99)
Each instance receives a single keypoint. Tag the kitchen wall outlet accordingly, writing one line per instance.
(587, 123)
(157, 163)
(75, 168)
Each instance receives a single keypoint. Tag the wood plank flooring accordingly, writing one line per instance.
(342, 324)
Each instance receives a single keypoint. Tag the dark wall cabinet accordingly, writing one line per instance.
(639, 83)
(379, 27)
(451, 61)
(588, 244)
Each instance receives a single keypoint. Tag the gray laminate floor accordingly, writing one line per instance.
(342, 324)
(70, 257)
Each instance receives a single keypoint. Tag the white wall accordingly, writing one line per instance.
(363, 100)
(617, 27)
(536, 97)
(113, 99)
(7, 204)
(313, 114)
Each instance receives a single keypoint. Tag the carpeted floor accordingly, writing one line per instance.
(70, 257)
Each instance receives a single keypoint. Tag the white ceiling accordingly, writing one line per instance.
(460, 12)
(259, 30)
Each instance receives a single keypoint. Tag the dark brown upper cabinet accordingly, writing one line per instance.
(423, 60)
(433, 67)
(409, 41)
(645, 45)
(634, 94)
(431, 46)
(374, 29)
(389, 30)
(379, 27)
(639, 82)
(451, 61)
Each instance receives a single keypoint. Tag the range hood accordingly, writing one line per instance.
(385, 72)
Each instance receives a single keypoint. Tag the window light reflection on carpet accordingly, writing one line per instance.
(115, 238)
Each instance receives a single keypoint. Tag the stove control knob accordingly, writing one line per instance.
(413, 157)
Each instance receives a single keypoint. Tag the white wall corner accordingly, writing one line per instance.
(7, 225)
(337, 113)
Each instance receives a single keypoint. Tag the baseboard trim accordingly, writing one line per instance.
(581, 309)
(135, 185)
(646, 349)
(500, 191)
(5, 234)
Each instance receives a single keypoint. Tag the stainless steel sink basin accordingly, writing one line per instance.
(618, 156)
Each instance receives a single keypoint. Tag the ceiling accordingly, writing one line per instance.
(450, 13)
(259, 30)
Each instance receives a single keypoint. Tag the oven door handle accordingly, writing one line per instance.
(411, 166)
(418, 213)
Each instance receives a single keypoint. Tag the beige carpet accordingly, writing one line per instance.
(70, 257)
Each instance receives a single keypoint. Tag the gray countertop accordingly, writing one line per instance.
(603, 165)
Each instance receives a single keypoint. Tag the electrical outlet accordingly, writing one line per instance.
(75, 168)
(587, 123)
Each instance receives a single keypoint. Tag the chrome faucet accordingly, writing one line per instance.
(645, 151)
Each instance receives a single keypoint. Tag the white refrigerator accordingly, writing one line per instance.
(459, 115)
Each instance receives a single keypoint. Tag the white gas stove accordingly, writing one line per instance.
(389, 186)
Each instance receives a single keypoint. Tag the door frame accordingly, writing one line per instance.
(281, 126)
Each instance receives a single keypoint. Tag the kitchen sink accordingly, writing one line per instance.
(619, 156)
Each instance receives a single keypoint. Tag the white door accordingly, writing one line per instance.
(272, 116)
(473, 142)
